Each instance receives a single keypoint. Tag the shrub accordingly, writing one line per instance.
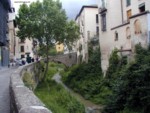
(55, 97)
(87, 78)
(131, 91)
(58, 99)
(29, 81)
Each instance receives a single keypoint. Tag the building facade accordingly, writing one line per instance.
(23, 48)
(88, 22)
(19, 48)
(4, 47)
(59, 47)
(123, 24)
(11, 34)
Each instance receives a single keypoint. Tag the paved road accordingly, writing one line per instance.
(4, 89)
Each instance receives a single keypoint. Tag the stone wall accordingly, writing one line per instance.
(23, 100)
(67, 59)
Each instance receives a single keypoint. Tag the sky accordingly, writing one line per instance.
(72, 7)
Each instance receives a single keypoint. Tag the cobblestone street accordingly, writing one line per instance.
(4, 89)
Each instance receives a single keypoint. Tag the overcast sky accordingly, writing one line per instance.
(72, 7)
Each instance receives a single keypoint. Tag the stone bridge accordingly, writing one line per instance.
(66, 59)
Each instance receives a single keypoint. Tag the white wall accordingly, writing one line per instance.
(27, 47)
(114, 19)
(148, 21)
(87, 22)
(134, 7)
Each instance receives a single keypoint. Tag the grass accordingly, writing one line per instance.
(58, 99)
(55, 97)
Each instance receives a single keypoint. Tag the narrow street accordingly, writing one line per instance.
(4, 89)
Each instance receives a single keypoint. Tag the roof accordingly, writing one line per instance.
(85, 6)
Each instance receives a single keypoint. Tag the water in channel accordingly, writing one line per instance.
(89, 106)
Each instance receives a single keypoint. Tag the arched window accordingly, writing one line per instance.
(128, 33)
(137, 27)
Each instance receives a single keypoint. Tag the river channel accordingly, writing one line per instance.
(89, 106)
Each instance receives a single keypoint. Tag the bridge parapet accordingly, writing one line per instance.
(67, 59)
(23, 99)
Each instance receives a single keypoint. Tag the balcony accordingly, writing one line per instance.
(102, 10)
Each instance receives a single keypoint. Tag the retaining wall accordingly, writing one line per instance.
(22, 98)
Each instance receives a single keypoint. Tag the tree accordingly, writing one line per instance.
(71, 33)
(44, 21)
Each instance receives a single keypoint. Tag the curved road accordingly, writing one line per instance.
(4, 89)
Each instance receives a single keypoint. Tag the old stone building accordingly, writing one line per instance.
(123, 24)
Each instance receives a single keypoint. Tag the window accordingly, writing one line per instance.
(88, 32)
(12, 9)
(137, 27)
(142, 7)
(128, 33)
(22, 56)
(97, 19)
(15, 24)
(129, 14)
(22, 48)
(128, 2)
(82, 22)
(116, 36)
(97, 31)
(103, 20)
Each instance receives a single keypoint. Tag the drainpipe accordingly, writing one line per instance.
(122, 11)
(14, 43)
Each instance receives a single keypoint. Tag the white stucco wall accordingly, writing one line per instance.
(148, 21)
(134, 7)
(11, 34)
(114, 19)
(87, 22)
(139, 38)
(27, 47)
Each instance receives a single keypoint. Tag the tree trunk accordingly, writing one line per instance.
(47, 62)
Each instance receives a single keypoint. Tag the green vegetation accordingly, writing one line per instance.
(46, 22)
(54, 96)
(87, 78)
(58, 99)
(131, 91)
(29, 81)
(126, 87)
